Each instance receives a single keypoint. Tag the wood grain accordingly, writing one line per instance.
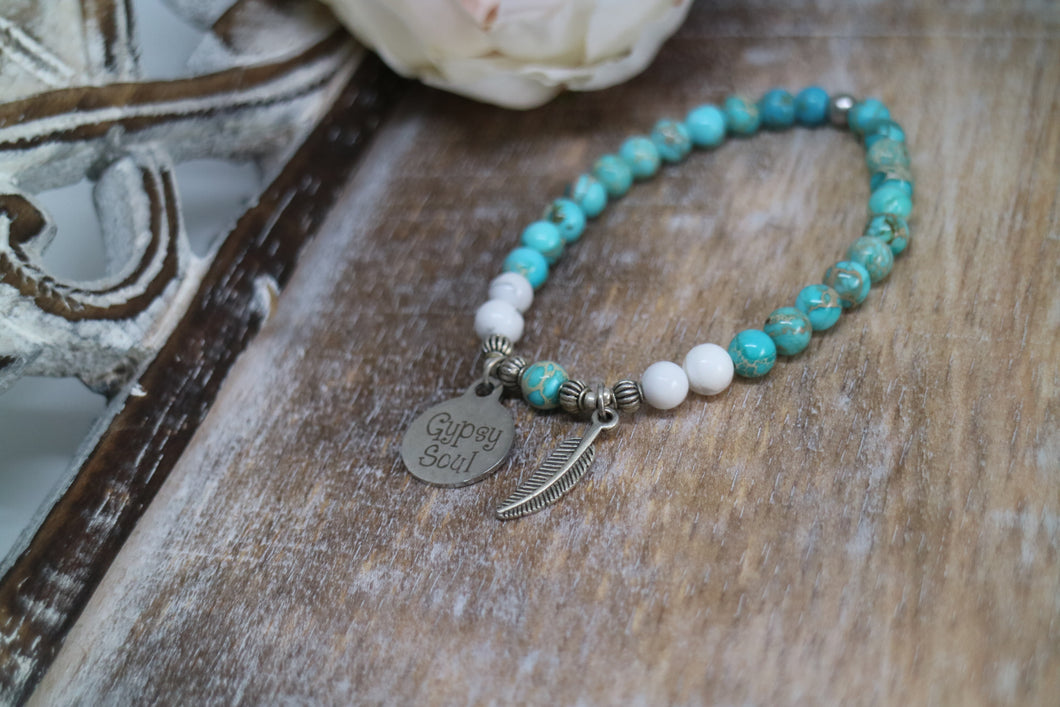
(875, 522)
(48, 584)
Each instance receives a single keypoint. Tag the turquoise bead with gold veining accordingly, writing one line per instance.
(587, 192)
(884, 129)
(529, 263)
(895, 173)
(568, 217)
(865, 115)
(891, 229)
(613, 172)
(777, 108)
(706, 125)
(753, 353)
(540, 384)
(820, 304)
(672, 140)
(851, 280)
(885, 155)
(641, 155)
(544, 237)
(874, 255)
(811, 106)
(890, 198)
(789, 329)
(741, 116)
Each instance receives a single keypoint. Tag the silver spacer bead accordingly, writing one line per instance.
(587, 402)
(628, 396)
(570, 394)
(838, 107)
(605, 398)
(510, 371)
(495, 344)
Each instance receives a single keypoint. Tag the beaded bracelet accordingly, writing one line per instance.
(463, 440)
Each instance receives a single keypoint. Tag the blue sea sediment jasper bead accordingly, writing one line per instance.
(865, 115)
(587, 192)
(874, 255)
(544, 237)
(895, 172)
(613, 172)
(890, 198)
(540, 384)
(820, 304)
(741, 116)
(789, 329)
(850, 280)
(641, 155)
(706, 125)
(884, 129)
(529, 263)
(891, 229)
(777, 109)
(753, 353)
(881, 178)
(568, 217)
(672, 140)
(811, 106)
(885, 155)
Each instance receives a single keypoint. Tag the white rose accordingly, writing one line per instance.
(515, 53)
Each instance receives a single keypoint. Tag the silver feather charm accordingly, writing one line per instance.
(559, 472)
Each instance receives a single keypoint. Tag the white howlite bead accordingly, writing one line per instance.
(665, 385)
(514, 288)
(709, 369)
(498, 317)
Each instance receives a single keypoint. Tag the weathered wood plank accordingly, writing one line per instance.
(875, 522)
(48, 584)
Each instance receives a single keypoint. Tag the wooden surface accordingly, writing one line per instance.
(875, 522)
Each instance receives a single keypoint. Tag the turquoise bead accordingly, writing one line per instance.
(820, 304)
(884, 129)
(865, 115)
(894, 174)
(706, 126)
(641, 155)
(789, 329)
(811, 106)
(544, 237)
(874, 255)
(885, 155)
(540, 384)
(891, 229)
(851, 280)
(753, 353)
(777, 109)
(885, 178)
(613, 172)
(587, 192)
(529, 263)
(890, 198)
(568, 217)
(741, 116)
(672, 140)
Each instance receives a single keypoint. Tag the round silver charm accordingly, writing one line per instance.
(460, 441)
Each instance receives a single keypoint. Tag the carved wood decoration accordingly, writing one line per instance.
(260, 108)
(265, 73)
